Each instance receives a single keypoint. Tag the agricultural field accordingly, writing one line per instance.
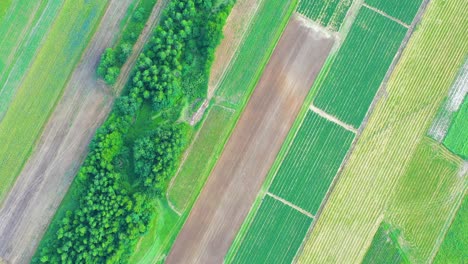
(26, 26)
(253, 145)
(39, 91)
(362, 61)
(313, 160)
(264, 242)
(396, 174)
(233, 131)
(328, 13)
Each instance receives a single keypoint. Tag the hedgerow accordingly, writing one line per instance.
(112, 212)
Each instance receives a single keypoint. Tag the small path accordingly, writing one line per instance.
(302, 211)
(332, 119)
(385, 15)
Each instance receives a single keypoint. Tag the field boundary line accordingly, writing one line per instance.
(297, 208)
(332, 119)
(386, 15)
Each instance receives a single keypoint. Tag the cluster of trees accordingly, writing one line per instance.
(113, 58)
(112, 214)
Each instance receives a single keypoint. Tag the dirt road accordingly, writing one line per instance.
(234, 183)
(40, 187)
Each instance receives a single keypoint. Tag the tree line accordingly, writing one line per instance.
(111, 214)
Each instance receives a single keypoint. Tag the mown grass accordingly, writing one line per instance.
(360, 67)
(24, 39)
(384, 171)
(312, 162)
(328, 13)
(275, 225)
(457, 136)
(43, 85)
(454, 247)
(206, 148)
(402, 10)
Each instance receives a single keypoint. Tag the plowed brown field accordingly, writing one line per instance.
(234, 183)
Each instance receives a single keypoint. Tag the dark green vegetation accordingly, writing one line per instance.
(457, 136)
(328, 13)
(312, 162)
(137, 149)
(275, 235)
(385, 248)
(453, 249)
(402, 10)
(360, 66)
(113, 58)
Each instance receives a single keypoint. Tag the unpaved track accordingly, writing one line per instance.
(234, 183)
(40, 187)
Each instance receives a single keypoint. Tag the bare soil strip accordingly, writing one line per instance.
(297, 208)
(236, 180)
(40, 187)
(332, 119)
(385, 15)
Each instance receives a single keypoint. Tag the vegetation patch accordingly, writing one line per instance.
(457, 136)
(312, 162)
(385, 247)
(360, 67)
(114, 58)
(453, 248)
(275, 235)
(328, 13)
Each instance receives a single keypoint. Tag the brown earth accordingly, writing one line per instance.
(236, 180)
(43, 182)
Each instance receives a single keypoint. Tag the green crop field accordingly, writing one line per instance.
(328, 13)
(385, 247)
(254, 52)
(453, 248)
(383, 176)
(457, 136)
(25, 36)
(43, 84)
(312, 162)
(206, 149)
(275, 235)
(360, 67)
(402, 10)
